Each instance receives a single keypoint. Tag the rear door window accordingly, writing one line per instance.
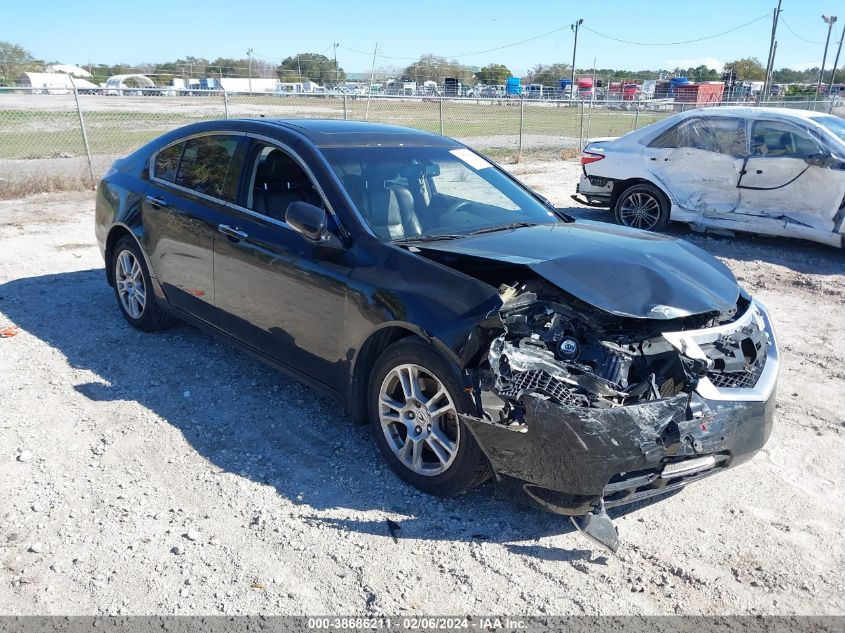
(205, 163)
(723, 135)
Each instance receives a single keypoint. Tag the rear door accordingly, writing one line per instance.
(698, 161)
(184, 204)
(786, 179)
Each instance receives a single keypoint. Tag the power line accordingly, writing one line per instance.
(699, 39)
(803, 39)
(281, 59)
(499, 48)
(458, 56)
(558, 30)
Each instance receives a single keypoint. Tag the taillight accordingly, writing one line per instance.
(589, 157)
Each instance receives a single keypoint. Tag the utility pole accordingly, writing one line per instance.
(574, 27)
(836, 62)
(830, 20)
(770, 63)
(249, 53)
(372, 76)
(336, 74)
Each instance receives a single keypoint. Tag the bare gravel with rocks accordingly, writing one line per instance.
(171, 474)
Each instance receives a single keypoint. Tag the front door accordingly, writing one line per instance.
(787, 180)
(275, 290)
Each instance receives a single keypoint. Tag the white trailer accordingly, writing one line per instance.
(247, 85)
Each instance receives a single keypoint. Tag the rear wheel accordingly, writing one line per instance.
(415, 398)
(133, 288)
(642, 206)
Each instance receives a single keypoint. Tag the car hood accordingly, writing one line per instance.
(625, 272)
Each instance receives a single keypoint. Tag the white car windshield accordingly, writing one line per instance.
(835, 125)
(407, 193)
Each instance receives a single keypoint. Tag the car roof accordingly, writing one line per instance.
(753, 112)
(339, 133)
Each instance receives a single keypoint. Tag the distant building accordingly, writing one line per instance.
(116, 84)
(54, 83)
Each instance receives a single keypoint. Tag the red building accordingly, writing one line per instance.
(700, 94)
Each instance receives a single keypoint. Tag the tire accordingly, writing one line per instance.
(642, 206)
(438, 471)
(133, 291)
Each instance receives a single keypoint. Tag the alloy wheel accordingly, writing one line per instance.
(419, 419)
(129, 279)
(640, 210)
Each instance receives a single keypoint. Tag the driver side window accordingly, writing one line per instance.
(780, 139)
(276, 180)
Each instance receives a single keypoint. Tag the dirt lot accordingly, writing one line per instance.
(168, 473)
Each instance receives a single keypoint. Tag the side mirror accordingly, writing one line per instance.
(820, 159)
(308, 220)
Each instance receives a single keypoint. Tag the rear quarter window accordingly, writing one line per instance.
(167, 162)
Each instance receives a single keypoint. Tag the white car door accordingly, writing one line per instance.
(788, 178)
(698, 162)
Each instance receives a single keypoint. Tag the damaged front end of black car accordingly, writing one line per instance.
(583, 406)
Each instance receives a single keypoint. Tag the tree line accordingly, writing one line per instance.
(316, 67)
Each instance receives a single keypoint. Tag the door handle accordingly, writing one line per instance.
(157, 202)
(236, 234)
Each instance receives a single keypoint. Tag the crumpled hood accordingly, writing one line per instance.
(622, 271)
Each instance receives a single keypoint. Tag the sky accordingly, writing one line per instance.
(110, 31)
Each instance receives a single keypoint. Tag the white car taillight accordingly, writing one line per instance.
(589, 157)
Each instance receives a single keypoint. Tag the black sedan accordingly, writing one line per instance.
(479, 330)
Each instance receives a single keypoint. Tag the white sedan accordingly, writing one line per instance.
(762, 170)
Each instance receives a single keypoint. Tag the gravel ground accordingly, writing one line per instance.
(168, 473)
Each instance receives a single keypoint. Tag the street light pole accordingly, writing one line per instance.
(249, 67)
(336, 74)
(574, 48)
(830, 20)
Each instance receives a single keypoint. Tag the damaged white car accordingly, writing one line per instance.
(760, 170)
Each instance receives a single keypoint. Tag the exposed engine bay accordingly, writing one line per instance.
(550, 350)
(598, 384)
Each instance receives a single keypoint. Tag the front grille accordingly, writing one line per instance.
(537, 381)
(745, 379)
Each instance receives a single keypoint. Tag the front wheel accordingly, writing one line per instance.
(415, 398)
(642, 206)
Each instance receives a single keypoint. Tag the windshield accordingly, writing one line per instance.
(834, 124)
(407, 193)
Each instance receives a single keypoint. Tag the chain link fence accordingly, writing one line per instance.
(67, 141)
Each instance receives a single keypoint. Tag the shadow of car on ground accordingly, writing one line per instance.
(252, 421)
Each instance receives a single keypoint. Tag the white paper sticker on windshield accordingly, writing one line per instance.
(470, 158)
